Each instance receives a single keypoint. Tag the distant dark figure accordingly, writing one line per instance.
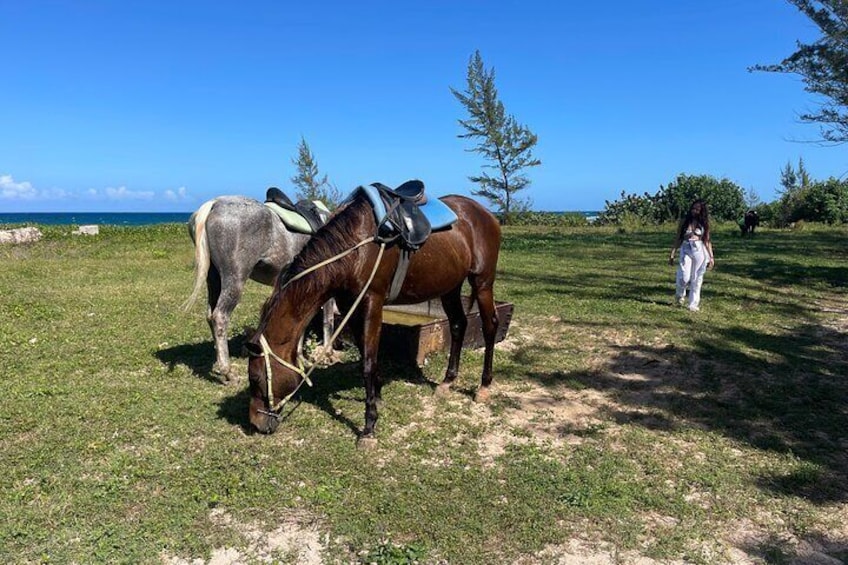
(751, 221)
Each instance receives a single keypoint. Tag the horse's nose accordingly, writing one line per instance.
(268, 426)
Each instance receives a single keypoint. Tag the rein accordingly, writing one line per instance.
(267, 354)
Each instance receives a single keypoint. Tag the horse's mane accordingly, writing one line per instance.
(342, 231)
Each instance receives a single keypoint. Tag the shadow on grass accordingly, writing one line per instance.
(776, 549)
(783, 273)
(342, 381)
(764, 258)
(199, 358)
(780, 393)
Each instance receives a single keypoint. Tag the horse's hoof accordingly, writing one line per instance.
(443, 390)
(366, 443)
(222, 371)
(482, 395)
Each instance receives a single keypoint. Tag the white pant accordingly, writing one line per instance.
(690, 271)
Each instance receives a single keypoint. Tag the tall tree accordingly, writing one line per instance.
(499, 138)
(795, 183)
(308, 181)
(794, 180)
(751, 198)
(823, 66)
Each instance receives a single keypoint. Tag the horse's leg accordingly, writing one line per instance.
(230, 294)
(452, 305)
(329, 321)
(356, 328)
(372, 321)
(489, 319)
(213, 295)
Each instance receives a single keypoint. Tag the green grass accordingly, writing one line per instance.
(617, 418)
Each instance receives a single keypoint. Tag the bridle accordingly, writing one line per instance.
(267, 354)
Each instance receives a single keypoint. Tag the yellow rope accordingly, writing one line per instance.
(266, 348)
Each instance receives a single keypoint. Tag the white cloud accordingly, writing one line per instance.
(9, 189)
(174, 196)
(123, 193)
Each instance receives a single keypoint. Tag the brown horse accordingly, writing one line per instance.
(468, 250)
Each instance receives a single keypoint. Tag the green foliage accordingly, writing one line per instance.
(549, 219)
(794, 183)
(388, 553)
(615, 417)
(824, 201)
(768, 212)
(821, 65)
(751, 198)
(802, 198)
(644, 209)
(725, 199)
(308, 181)
(500, 139)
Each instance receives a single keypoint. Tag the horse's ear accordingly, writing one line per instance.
(253, 349)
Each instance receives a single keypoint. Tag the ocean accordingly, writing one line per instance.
(126, 218)
(100, 218)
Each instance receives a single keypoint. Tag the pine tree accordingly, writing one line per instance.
(309, 183)
(823, 66)
(500, 139)
(795, 183)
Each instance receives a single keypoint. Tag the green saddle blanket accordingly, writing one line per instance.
(293, 220)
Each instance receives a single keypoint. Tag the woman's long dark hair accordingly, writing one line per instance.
(699, 215)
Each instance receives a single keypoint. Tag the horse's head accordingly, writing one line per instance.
(274, 377)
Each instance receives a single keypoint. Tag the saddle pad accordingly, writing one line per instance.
(437, 212)
(441, 217)
(293, 221)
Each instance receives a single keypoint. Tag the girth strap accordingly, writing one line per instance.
(400, 273)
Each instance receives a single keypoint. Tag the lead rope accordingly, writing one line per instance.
(266, 348)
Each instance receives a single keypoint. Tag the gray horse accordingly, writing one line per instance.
(237, 238)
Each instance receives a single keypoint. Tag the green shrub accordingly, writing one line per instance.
(550, 219)
(725, 200)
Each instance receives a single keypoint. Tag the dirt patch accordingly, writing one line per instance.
(633, 381)
(297, 540)
(578, 552)
(538, 416)
(521, 335)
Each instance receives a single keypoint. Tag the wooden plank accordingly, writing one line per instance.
(413, 331)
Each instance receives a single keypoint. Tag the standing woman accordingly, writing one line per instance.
(696, 254)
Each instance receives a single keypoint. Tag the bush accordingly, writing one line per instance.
(725, 200)
(768, 213)
(825, 201)
(630, 206)
(549, 219)
(820, 201)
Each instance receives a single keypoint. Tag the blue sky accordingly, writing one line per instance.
(158, 106)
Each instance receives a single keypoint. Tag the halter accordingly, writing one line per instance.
(267, 354)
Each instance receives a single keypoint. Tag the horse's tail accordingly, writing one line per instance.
(197, 231)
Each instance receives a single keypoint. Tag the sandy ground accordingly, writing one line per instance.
(538, 414)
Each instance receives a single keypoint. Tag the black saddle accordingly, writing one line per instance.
(279, 197)
(404, 222)
(412, 190)
(305, 208)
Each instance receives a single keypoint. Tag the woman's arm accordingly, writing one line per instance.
(710, 257)
(677, 242)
